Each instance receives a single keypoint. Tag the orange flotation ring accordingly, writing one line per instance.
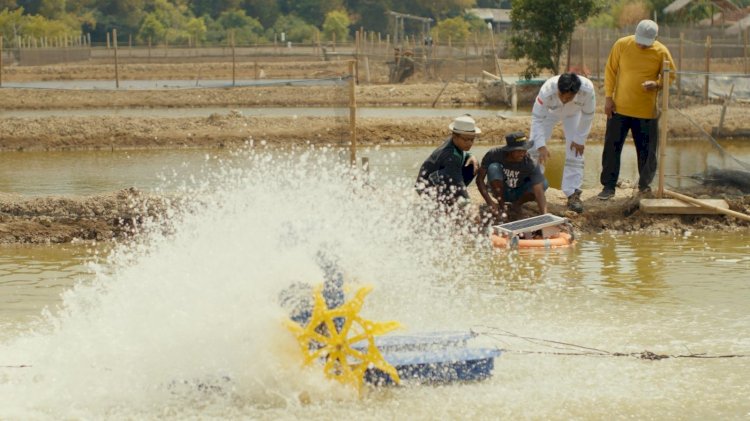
(562, 239)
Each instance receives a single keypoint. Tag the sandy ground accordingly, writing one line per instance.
(104, 217)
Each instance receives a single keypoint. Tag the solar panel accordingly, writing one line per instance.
(529, 224)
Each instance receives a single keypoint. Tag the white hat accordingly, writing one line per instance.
(464, 124)
(645, 32)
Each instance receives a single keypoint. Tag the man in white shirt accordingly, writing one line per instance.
(572, 99)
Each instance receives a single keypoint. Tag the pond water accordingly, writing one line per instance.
(138, 324)
(90, 172)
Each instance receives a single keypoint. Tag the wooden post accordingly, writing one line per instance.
(696, 202)
(1, 60)
(679, 64)
(149, 49)
(234, 57)
(724, 111)
(255, 67)
(663, 120)
(356, 56)
(708, 69)
(466, 61)
(598, 63)
(744, 42)
(582, 71)
(108, 40)
(352, 115)
(117, 67)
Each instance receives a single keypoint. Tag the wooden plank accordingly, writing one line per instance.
(674, 206)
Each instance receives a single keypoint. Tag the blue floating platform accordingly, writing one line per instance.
(432, 357)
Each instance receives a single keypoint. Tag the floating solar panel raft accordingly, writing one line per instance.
(331, 332)
(542, 231)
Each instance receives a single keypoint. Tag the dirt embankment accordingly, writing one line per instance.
(114, 215)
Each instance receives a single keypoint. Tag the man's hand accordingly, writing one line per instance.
(609, 107)
(474, 162)
(543, 155)
(577, 148)
(650, 85)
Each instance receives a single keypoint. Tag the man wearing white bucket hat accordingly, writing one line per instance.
(445, 174)
(632, 78)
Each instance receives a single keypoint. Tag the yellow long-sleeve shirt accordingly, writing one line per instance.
(628, 66)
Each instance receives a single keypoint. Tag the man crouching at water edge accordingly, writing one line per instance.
(445, 174)
(513, 177)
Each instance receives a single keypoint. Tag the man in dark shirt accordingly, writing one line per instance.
(513, 177)
(445, 174)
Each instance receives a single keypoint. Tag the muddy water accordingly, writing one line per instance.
(671, 296)
(92, 172)
(201, 301)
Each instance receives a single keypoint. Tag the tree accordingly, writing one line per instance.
(336, 24)
(294, 28)
(10, 23)
(52, 9)
(247, 30)
(151, 29)
(456, 28)
(8, 5)
(196, 27)
(314, 11)
(542, 29)
(266, 11)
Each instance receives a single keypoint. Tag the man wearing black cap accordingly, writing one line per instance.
(513, 177)
(445, 174)
(632, 78)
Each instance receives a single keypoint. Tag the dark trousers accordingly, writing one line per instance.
(645, 133)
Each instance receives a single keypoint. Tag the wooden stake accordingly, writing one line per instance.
(693, 201)
(1, 60)
(234, 58)
(117, 71)
(663, 120)
(352, 115)
(708, 69)
(724, 110)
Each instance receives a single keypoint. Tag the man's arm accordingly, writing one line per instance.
(542, 122)
(584, 124)
(541, 201)
(610, 78)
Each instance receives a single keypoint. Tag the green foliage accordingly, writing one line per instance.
(10, 23)
(52, 9)
(294, 28)
(456, 28)
(151, 29)
(314, 11)
(336, 24)
(441, 9)
(476, 24)
(541, 30)
(196, 27)
(37, 26)
(246, 29)
(266, 11)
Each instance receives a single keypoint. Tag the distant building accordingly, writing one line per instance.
(500, 18)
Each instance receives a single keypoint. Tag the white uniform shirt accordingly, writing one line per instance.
(548, 110)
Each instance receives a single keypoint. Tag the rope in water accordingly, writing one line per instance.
(569, 349)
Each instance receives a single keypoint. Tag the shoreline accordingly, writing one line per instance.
(111, 216)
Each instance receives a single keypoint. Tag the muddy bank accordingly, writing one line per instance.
(57, 219)
(232, 129)
(119, 215)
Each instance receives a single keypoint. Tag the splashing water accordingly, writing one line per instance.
(186, 318)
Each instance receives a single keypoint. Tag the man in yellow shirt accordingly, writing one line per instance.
(632, 79)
